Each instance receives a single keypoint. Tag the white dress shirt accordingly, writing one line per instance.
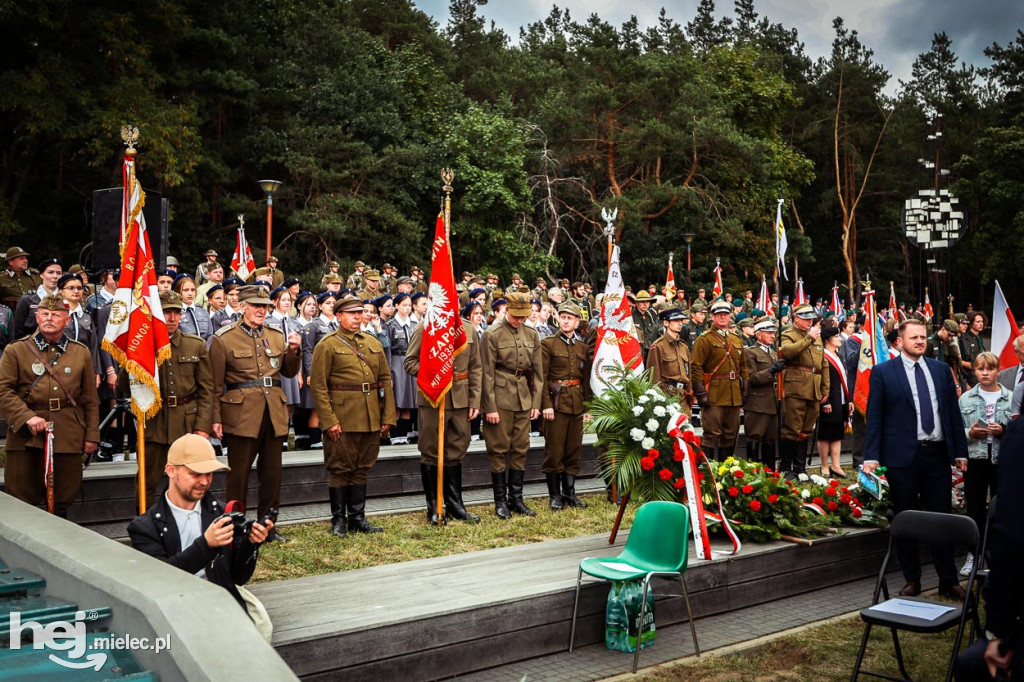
(908, 366)
(190, 525)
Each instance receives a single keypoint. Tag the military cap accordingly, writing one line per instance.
(737, 302)
(405, 279)
(757, 312)
(76, 269)
(261, 271)
(476, 292)
(805, 311)
(15, 252)
(540, 280)
(234, 280)
(50, 262)
(686, 313)
(661, 307)
(67, 277)
(303, 295)
(381, 300)
(720, 307)
(630, 296)
(415, 268)
(672, 315)
(491, 275)
(210, 252)
(951, 326)
(360, 264)
(254, 294)
(515, 275)
(400, 297)
(386, 266)
(467, 309)
(326, 295)
(180, 276)
(291, 281)
(53, 303)
(467, 273)
(766, 324)
(170, 300)
(333, 279)
(518, 304)
(371, 274)
(571, 308)
(214, 266)
(644, 295)
(348, 304)
(333, 264)
(960, 318)
(565, 283)
(417, 296)
(745, 322)
(272, 259)
(276, 293)
(697, 308)
(171, 260)
(211, 290)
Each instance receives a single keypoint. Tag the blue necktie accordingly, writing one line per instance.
(924, 404)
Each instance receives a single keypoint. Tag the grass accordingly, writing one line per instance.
(821, 653)
(314, 551)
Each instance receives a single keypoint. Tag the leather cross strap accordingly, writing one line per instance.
(49, 370)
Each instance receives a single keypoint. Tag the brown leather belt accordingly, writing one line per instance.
(53, 405)
(178, 400)
(727, 375)
(460, 376)
(812, 370)
(265, 382)
(362, 388)
(568, 382)
(673, 383)
(514, 372)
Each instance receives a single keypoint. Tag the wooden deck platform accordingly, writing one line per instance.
(437, 618)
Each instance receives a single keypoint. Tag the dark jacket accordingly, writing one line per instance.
(155, 533)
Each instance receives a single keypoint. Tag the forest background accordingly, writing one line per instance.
(694, 126)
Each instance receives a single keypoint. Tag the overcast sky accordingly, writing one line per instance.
(897, 30)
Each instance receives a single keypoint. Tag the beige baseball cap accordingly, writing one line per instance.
(196, 453)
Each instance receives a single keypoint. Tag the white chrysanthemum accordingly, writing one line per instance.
(735, 469)
(673, 408)
(818, 480)
(659, 396)
(803, 477)
(637, 434)
(805, 494)
(644, 399)
(637, 410)
(652, 425)
(647, 443)
(660, 411)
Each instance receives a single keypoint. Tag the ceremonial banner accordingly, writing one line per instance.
(617, 342)
(800, 297)
(1004, 330)
(893, 308)
(136, 334)
(670, 281)
(718, 288)
(242, 261)
(836, 306)
(873, 350)
(443, 334)
(764, 300)
(927, 309)
(781, 243)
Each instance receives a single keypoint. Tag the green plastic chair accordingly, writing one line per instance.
(656, 546)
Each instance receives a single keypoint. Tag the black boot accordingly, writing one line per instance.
(710, 452)
(726, 451)
(500, 499)
(753, 451)
(428, 474)
(800, 456)
(569, 492)
(454, 507)
(357, 511)
(338, 521)
(554, 494)
(515, 493)
(787, 452)
(768, 455)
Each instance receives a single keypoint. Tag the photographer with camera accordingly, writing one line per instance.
(190, 530)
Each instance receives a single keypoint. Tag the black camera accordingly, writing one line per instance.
(242, 526)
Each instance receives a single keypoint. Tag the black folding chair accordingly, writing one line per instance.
(981, 572)
(933, 529)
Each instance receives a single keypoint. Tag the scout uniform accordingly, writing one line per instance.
(669, 360)
(463, 397)
(512, 363)
(804, 385)
(647, 326)
(565, 378)
(366, 293)
(351, 387)
(55, 381)
(250, 404)
(718, 374)
(761, 407)
(186, 393)
(355, 280)
(203, 271)
(14, 285)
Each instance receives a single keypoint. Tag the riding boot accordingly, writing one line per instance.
(726, 451)
(338, 501)
(768, 455)
(569, 492)
(515, 493)
(554, 493)
(428, 474)
(710, 452)
(787, 453)
(498, 483)
(357, 511)
(800, 456)
(454, 507)
(753, 451)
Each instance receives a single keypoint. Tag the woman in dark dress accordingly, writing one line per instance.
(305, 304)
(837, 410)
(399, 329)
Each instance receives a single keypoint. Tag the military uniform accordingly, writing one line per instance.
(718, 373)
(669, 362)
(276, 276)
(388, 283)
(970, 347)
(804, 385)
(250, 403)
(332, 271)
(355, 280)
(761, 406)
(203, 271)
(512, 362)
(14, 285)
(365, 293)
(463, 396)
(351, 387)
(646, 324)
(566, 380)
(947, 351)
(27, 390)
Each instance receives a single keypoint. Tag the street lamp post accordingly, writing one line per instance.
(270, 187)
(689, 242)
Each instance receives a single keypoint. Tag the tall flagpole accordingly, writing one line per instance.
(447, 175)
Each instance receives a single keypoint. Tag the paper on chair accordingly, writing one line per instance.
(916, 609)
(619, 566)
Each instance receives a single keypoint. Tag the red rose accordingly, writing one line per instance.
(691, 438)
(739, 474)
(679, 484)
(818, 501)
(831, 492)
(734, 491)
(653, 453)
(833, 483)
(646, 463)
(857, 513)
(678, 456)
(832, 506)
(845, 490)
(845, 499)
(747, 489)
(772, 499)
(665, 475)
(755, 505)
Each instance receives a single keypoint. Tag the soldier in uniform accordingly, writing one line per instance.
(46, 378)
(332, 269)
(512, 362)
(719, 376)
(203, 271)
(701, 299)
(669, 358)
(371, 286)
(355, 280)
(462, 406)
(421, 283)
(747, 332)
(387, 279)
(566, 374)
(540, 291)
(250, 414)
(464, 285)
(186, 393)
(804, 386)
(276, 276)
(761, 407)
(18, 279)
(647, 326)
(351, 387)
(944, 346)
(696, 326)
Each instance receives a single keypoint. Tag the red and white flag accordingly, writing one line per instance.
(1004, 330)
(764, 299)
(836, 305)
(869, 353)
(443, 334)
(670, 281)
(893, 308)
(927, 309)
(800, 297)
(136, 334)
(242, 261)
(718, 288)
(617, 342)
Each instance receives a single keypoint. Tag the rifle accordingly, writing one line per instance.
(48, 467)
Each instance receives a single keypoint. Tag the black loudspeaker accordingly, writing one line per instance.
(106, 227)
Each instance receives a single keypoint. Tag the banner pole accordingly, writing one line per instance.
(142, 464)
(447, 176)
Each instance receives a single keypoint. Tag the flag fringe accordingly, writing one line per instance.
(142, 375)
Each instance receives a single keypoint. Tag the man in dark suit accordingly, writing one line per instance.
(1011, 376)
(915, 429)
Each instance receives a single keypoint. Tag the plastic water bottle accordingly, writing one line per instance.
(616, 628)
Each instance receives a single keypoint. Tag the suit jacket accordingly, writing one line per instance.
(891, 420)
(1008, 377)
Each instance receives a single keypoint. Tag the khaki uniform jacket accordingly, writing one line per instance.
(354, 281)
(237, 357)
(709, 350)
(503, 348)
(71, 425)
(335, 363)
(565, 362)
(14, 285)
(187, 375)
(465, 392)
(367, 295)
(669, 361)
(798, 349)
(421, 287)
(762, 396)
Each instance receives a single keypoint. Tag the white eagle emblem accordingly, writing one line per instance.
(438, 315)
